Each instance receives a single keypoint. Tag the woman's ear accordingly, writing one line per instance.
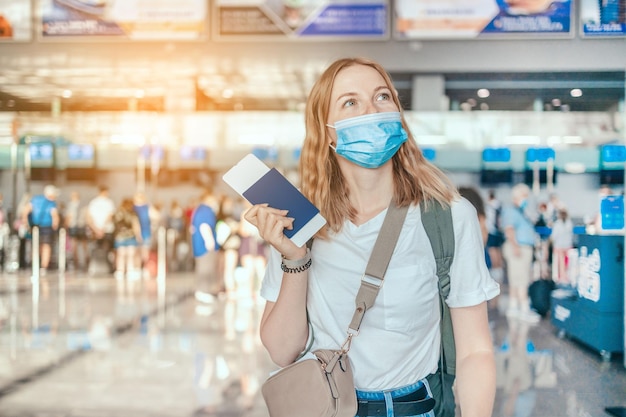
(331, 135)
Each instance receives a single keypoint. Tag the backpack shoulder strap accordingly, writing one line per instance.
(437, 221)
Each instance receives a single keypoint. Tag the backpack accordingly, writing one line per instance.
(437, 222)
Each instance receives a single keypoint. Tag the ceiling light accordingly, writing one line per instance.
(576, 92)
(553, 140)
(572, 139)
(483, 93)
(66, 93)
(574, 167)
(140, 93)
(227, 93)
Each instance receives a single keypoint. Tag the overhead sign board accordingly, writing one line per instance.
(453, 19)
(255, 20)
(606, 18)
(15, 20)
(540, 155)
(128, 19)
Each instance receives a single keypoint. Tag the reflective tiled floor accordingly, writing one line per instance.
(87, 347)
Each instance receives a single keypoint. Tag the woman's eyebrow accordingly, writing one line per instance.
(348, 94)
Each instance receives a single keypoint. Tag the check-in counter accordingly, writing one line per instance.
(593, 311)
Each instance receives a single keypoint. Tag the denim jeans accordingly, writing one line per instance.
(389, 395)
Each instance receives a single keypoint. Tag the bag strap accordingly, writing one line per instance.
(437, 221)
(374, 274)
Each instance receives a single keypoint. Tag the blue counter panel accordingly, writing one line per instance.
(603, 332)
(600, 280)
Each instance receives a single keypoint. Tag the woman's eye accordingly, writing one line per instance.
(348, 103)
(383, 97)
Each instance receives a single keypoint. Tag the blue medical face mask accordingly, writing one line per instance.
(523, 204)
(370, 140)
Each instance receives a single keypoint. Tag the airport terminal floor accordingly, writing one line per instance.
(87, 346)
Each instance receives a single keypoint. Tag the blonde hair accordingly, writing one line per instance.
(415, 179)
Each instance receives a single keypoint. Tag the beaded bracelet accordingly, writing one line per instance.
(299, 265)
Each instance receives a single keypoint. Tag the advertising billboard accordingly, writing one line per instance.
(124, 19)
(253, 20)
(15, 21)
(604, 18)
(460, 19)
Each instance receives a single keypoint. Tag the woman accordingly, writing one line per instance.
(352, 180)
(127, 237)
(562, 241)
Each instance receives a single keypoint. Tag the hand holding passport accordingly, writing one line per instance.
(259, 184)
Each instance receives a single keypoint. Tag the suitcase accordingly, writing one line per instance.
(539, 293)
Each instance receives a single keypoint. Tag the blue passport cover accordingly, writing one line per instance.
(274, 189)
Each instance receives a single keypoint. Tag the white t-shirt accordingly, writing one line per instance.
(563, 234)
(398, 342)
(101, 209)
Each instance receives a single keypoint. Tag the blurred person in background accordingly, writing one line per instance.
(127, 239)
(143, 211)
(74, 220)
(473, 196)
(518, 250)
(493, 212)
(42, 212)
(554, 204)
(562, 241)
(21, 226)
(100, 224)
(188, 212)
(543, 250)
(175, 224)
(229, 240)
(176, 219)
(205, 248)
(252, 255)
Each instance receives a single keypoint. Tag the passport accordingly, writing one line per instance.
(259, 184)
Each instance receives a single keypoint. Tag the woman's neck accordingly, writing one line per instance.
(370, 191)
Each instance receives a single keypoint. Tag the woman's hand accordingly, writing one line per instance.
(271, 222)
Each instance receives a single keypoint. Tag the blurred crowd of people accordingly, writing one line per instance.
(208, 235)
(106, 238)
(526, 243)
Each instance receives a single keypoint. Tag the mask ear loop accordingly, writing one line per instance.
(331, 144)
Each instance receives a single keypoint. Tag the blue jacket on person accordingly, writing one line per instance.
(202, 214)
(41, 213)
